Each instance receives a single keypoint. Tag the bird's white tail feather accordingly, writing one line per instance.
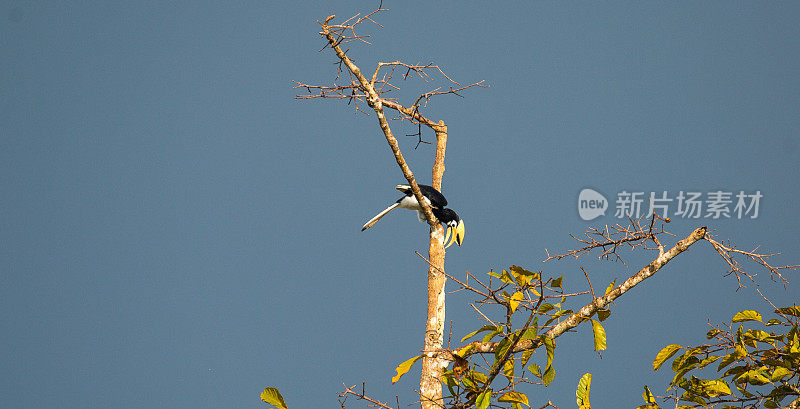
(378, 216)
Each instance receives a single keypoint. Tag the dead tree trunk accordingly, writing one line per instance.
(430, 384)
(363, 89)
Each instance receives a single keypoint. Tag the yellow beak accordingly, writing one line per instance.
(457, 234)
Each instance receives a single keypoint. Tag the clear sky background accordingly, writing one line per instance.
(178, 232)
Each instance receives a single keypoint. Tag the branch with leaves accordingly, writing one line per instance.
(504, 349)
(763, 367)
(755, 359)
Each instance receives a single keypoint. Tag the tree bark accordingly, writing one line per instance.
(430, 385)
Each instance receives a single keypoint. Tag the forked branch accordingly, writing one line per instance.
(362, 90)
(727, 252)
(611, 238)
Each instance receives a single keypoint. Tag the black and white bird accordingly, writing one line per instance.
(437, 202)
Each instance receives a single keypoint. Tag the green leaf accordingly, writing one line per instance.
(753, 377)
(531, 332)
(501, 348)
(514, 397)
(789, 310)
(521, 271)
(736, 370)
(747, 315)
(449, 379)
(715, 388)
(498, 330)
(665, 354)
(603, 314)
(774, 363)
(534, 368)
(463, 351)
(611, 286)
(739, 352)
(523, 276)
(479, 377)
(273, 397)
(779, 373)
(404, 367)
(781, 392)
(479, 330)
(514, 301)
(482, 402)
(599, 336)
(448, 374)
(549, 375)
(557, 281)
(582, 393)
(692, 398)
(469, 384)
(648, 396)
(685, 362)
(545, 308)
(508, 370)
(550, 347)
(506, 278)
(705, 362)
(525, 357)
(760, 336)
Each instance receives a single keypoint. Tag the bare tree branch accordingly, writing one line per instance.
(599, 302)
(611, 238)
(727, 252)
(350, 391)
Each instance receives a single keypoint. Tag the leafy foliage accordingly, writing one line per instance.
(273, 397)
(524, 296)
(405, 367)
(755, 368)
(582, 393)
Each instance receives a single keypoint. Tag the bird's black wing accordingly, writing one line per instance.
(437, 199)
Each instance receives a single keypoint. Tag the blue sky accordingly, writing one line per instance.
(178, 231)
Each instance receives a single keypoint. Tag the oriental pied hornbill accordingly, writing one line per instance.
(437, 203)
